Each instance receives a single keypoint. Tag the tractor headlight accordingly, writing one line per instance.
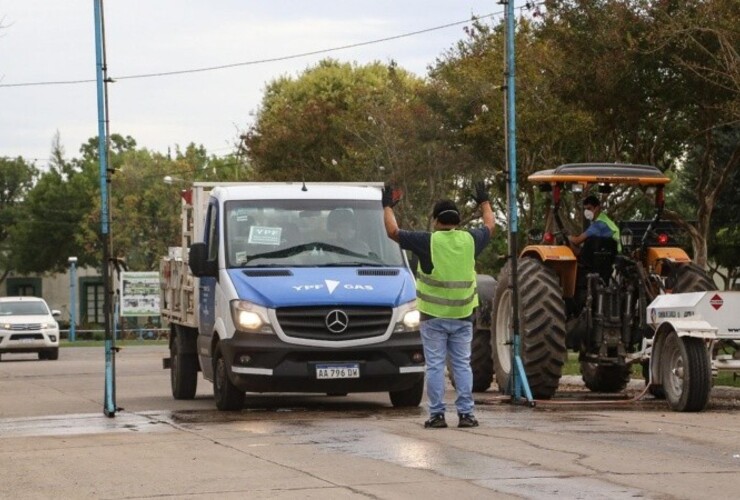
(409, 318)
(249, 317)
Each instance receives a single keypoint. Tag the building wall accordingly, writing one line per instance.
(55, 288)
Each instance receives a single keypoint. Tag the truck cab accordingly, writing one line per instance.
(297, 289)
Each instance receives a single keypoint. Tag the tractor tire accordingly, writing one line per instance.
(228, 396)
(541, 325)
(686, 372)
(481, 361)
(183, 366)
(691, 278)
(601, 378)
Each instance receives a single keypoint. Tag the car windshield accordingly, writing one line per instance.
(23, 308)
(307, 233)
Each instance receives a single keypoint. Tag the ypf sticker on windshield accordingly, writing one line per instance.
(261, 235)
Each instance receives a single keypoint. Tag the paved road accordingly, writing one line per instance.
(56, 443)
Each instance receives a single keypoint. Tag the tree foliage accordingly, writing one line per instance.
(16, 179)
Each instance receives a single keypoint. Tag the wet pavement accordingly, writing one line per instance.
(55, 442)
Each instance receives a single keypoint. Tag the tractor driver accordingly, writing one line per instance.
(601, 225)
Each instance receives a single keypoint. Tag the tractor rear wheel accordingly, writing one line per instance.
(691, 278)
(541, 327)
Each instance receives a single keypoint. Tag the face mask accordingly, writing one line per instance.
(588, 214)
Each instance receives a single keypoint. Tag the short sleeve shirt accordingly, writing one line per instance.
(420, 243)
(598, 229)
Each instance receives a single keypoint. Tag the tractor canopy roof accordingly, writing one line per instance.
(601, 173)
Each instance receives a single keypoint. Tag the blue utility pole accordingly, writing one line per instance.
(518, 380)
(109, 405)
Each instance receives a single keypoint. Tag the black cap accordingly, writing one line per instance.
(591, 200)
(446, 212)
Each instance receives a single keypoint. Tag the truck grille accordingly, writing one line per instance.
(21, 327)
(334, 323)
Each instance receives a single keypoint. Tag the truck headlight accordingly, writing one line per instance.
(409, 318)
(250, 317)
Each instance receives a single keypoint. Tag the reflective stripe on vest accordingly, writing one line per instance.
(613, 227)
(449, 291)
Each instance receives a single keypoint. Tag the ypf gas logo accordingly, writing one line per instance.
(716, 302)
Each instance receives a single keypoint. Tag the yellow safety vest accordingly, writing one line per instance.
(449, 291)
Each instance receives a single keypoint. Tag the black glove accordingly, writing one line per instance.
(480, 193)
(388, 199)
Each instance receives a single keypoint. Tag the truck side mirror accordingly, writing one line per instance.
(198, 261)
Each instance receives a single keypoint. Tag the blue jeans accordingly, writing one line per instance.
(441, 337)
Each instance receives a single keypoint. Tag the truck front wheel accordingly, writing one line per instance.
(228, 397)
(183, 367)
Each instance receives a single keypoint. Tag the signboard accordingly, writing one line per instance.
(139, 293)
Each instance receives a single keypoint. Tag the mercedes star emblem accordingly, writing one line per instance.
(337, 321)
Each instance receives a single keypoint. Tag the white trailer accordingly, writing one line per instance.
(696, 336)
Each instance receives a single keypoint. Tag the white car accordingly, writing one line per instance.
(28, 325)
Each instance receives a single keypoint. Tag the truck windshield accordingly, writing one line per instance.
(307, 233)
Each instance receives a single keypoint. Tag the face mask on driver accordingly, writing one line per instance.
(588, 214)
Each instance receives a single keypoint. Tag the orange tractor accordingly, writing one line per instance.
(594, 304)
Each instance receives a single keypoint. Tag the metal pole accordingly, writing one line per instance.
(518, 380)
(109, 408)
(72, 298)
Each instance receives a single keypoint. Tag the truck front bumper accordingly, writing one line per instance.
(263, 363)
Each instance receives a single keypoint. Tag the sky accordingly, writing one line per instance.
(45, 41)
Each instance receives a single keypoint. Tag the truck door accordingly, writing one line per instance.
(207, 287)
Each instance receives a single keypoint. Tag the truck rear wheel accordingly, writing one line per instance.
(686, 372)
(541, 325)
(605, 378)
(183, 366)
(410, 397)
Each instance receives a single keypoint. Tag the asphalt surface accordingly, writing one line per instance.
(55, 442)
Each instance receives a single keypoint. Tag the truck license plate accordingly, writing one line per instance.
(348, 370)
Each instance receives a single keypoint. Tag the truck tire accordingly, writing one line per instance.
(228, 396)
(52, 354)
(686, 372)
(183, 367)
(605, 378)
(691, 278)
(541, 324)
(410, 397)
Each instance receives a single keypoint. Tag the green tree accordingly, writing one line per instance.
(16, 179)
(52, 213)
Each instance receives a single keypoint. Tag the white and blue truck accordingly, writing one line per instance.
(289, 287)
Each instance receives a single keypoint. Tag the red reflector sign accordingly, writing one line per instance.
(716, 302)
